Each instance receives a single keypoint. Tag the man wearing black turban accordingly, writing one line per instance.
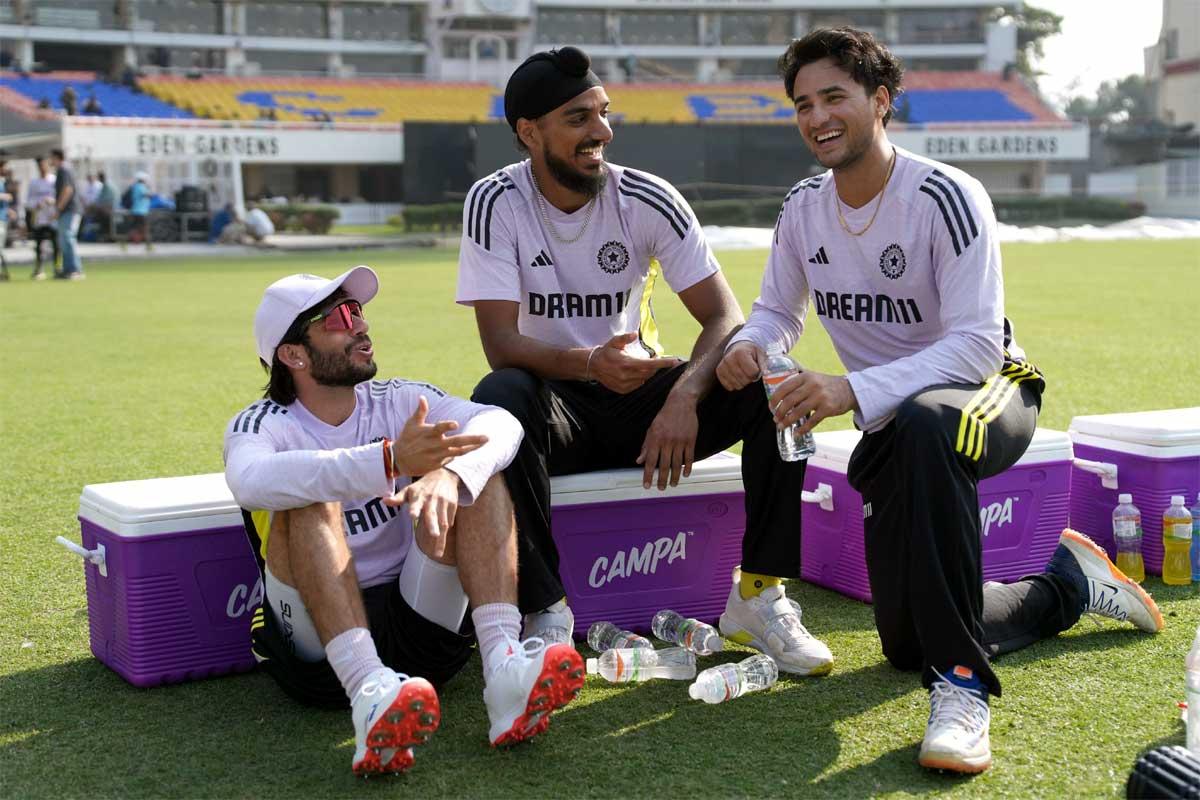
(560, 253)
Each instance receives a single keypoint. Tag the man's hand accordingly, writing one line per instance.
(432, 505)
(621, 372)
(422, 447)
(670, 443)
(743, 364)
(812, 393)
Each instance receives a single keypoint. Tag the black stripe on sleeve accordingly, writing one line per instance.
(248, 415)
(474, 197)
(238, 421)
(965, 207)
(488, 190)
(945, 216)
(487, 225)
(658, 191)
(258, 420)
(945, 190)
(621, 188)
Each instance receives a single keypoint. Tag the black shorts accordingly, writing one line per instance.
(406, 641)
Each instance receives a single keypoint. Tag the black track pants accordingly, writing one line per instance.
(918, 477)
(573, 426)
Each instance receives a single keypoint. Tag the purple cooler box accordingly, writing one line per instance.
(1150, 454)
(171, 580)
(1022, 511)
(628, 552)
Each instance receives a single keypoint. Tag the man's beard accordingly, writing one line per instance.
(337, 369)
(854, 154)
(574, 180)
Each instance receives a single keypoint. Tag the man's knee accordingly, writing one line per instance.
(512, 389)
(923, 419)
(317, 515)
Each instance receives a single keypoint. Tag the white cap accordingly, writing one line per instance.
(1124, 498)
(592, 665)
(1176, 499)
(141, 175)
(287, 297)
(695, 692)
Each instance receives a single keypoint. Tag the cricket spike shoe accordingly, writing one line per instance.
(533, 681)
(392, 712)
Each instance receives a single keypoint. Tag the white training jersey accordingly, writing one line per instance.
(583, 293)
(281, 457)
(40, 190)
(916, 301)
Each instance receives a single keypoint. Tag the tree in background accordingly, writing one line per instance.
(1118, 102)
(1034, 26)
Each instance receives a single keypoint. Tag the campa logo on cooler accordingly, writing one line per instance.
(999, 514)
(243, 599)
(638, 561)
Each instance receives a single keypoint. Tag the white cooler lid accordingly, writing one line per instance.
(719, 473)
(160, 505)
(1175, 428)
(834, 448)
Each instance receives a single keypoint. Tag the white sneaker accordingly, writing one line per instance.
(534, 680)
(770, 623)
(956, 736)
(554, 625)
(1109, 592)
(391, 713)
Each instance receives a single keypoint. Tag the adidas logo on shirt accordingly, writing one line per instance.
(820, 257)
(543, 260)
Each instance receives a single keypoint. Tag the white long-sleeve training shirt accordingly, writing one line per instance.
(282, 457)
(916, 301)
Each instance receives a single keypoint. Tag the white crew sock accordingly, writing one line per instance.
(353, 657)
(496, 626)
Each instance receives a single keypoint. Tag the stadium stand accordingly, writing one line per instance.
(932, 97)
(308, 99)
(115, 100)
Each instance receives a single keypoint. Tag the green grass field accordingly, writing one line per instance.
(134, 373)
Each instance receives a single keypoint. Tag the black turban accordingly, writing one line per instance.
(545, 81)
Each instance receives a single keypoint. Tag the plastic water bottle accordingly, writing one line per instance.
(780, 367)
(699, 637)
(606, 636)
(1177, 543)
(1127, 532)
(631, 664)
(727, 681)
(1193, 696)
(1196, 540)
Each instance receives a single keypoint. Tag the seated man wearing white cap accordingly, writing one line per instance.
(375, 529)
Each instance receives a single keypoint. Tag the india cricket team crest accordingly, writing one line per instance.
(612, 257)
(891, 261)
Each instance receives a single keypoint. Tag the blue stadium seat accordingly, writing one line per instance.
(961, 105)
(115, 101)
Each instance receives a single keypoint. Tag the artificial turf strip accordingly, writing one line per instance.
(134, 372)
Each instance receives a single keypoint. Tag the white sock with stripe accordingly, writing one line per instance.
(353, 657)
(496, 626)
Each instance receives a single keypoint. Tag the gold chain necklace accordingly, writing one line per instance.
(878, 203)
